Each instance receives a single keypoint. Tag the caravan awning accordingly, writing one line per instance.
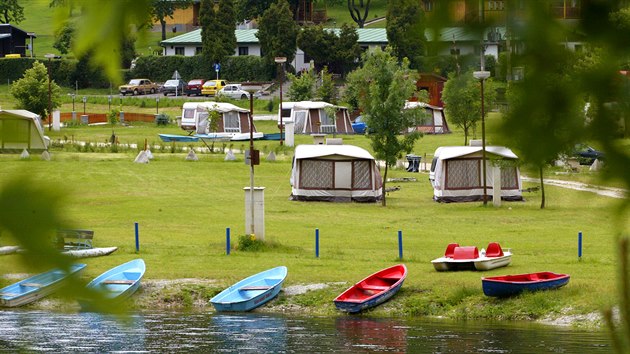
(451, 152)
(313, 151)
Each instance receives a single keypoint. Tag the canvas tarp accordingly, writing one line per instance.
(313, 117)
(339, 173)
(457, 173)
(21, 130)
(434, 121)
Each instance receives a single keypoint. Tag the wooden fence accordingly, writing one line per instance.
(102, 117)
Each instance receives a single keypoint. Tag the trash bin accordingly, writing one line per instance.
(414, 163)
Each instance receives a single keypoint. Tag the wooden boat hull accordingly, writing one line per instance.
(91, 252)
(120, 282)
(373, 290)
(251, 292)
(8, 249)
(510, 285)
(178, 138)
(36, 287)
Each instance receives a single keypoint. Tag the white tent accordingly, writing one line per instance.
(311, 117)
(20, 130)
(434, 121)
(336, 173)
(234, 120)
(456, 173)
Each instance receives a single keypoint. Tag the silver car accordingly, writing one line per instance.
(234, 91)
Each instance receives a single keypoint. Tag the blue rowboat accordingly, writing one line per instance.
(120, 282)
(509, 285)
(178, 138)
(37, 286)
(251, 292)
(373, 290)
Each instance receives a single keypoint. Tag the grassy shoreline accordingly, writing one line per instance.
(183, 209)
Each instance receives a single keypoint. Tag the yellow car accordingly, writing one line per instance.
(211, 87)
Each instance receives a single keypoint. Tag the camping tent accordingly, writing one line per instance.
(339, 173)
(20, 130)
(311, 117)
(433, 122)
(456, 173)
(234, 122)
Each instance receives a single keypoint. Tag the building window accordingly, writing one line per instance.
(179, 50)
(198, 50)
(243, 50)
(495, 5)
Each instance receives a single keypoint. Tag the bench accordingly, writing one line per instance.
(253, 288)
(119, 282)
(74, 239)
(32, 285)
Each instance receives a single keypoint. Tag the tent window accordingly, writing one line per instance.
(15, 131)
(189, 113)
(300, 121)
(316, 174)
(508, 178)
(463, 174)
(361, 175)
(231, 122)
(327, 124)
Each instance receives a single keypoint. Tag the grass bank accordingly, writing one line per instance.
(183, 209)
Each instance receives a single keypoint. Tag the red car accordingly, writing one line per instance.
(193, 87)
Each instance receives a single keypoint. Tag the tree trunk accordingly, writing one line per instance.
(542, 189)
(163, 24)
(384, 202)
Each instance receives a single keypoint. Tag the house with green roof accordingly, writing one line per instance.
(449, 40)
(247, 43)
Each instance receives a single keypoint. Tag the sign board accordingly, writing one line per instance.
(217, 67)
(256, 156)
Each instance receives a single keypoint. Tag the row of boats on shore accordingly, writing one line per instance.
(254, 291)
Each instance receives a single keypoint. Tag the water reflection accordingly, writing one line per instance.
(22, 330)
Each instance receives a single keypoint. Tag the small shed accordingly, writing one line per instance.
(456, 173)
(14, 40)
(314, 117)
(335, 173)
(19, 130)
(434, 85)
(433, 122)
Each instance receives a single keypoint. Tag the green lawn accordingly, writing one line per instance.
(183, 209)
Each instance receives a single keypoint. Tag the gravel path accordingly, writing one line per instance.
(605, 191)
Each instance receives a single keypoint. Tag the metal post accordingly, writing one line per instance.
(137, 238)
(400, 245)
(73, 101)
(84, 100)
(109, 101)
(227, 241)
(580, 245)
(251, 160)
(483, 148)
(317, 243)
(280, 61)
(49, 56)
(157, 105)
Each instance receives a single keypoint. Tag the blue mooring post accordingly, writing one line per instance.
(227, 241)
(400, 247)
(580, 245)
(317, 243)
(137, 238)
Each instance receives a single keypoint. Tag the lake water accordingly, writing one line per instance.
(261, 333)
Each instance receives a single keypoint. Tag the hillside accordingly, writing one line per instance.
(40, 19)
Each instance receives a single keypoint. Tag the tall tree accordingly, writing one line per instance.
(250, 9)
(462, 98)
(347, 50)
(31, 91)
(217, 30)
(405, 30)
(64, 37)
(11, 11)
(383, 85)
(359, 12)
(277, 32)
(161, 9)
(337, 52)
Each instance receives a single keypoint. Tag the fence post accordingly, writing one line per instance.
(227, 241)
(137, 238)
(317, 243)
(580, 245)
(400, 245)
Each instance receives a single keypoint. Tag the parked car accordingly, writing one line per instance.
(193, 87)
(174, 87)
(211, 87)
(586, 155)
(138, 86)
(233, 91)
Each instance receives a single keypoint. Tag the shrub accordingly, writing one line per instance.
(162, 119)
(249, 243)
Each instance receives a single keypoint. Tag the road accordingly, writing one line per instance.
(605, 191)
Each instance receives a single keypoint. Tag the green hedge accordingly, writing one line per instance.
(235, 69)
(64, 72)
